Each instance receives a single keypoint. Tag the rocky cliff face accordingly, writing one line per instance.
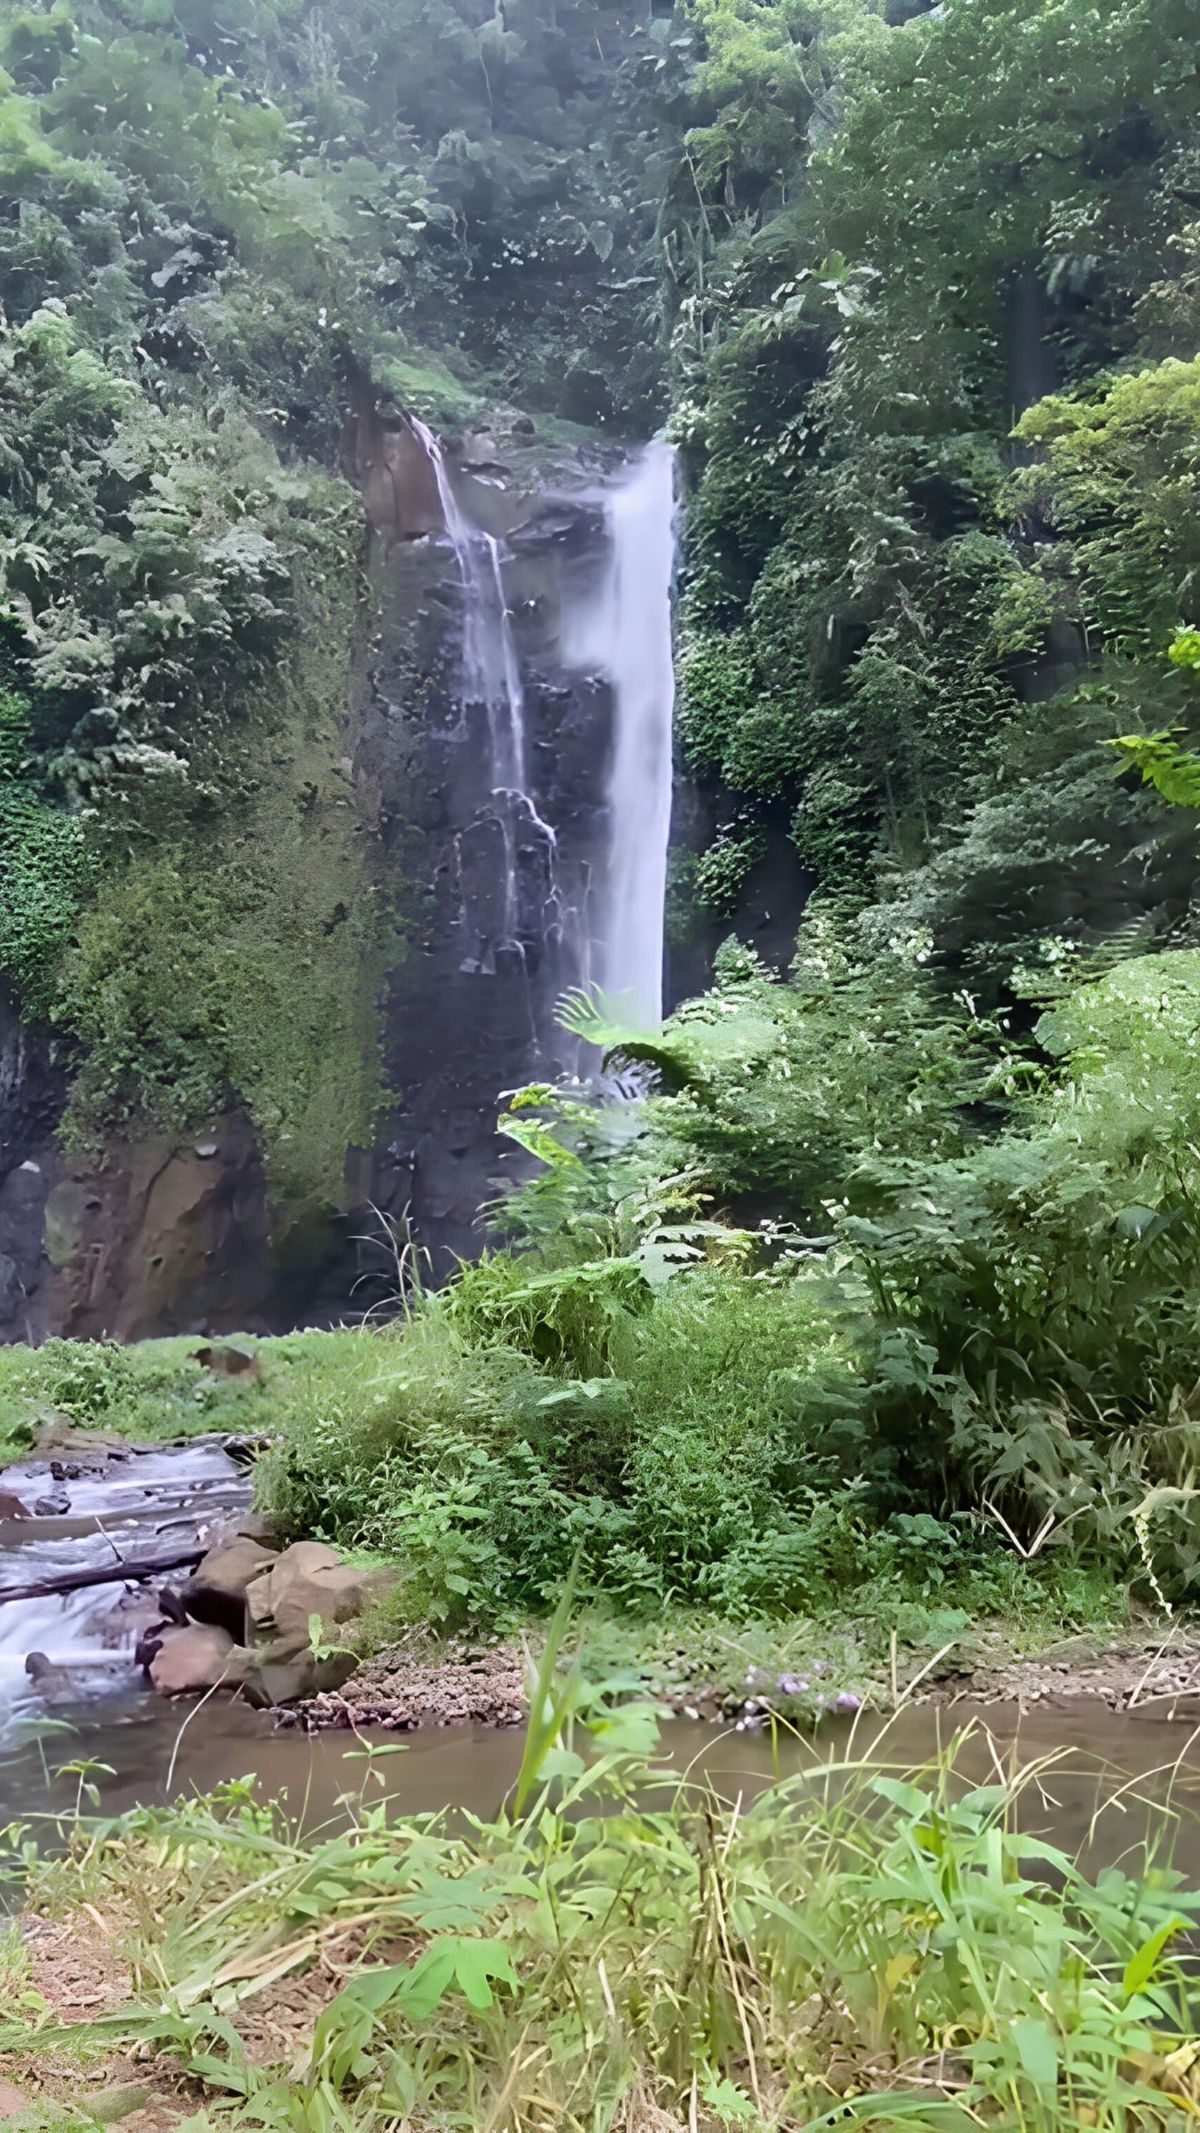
(32, 1093)
(504, 921)
(487, 902)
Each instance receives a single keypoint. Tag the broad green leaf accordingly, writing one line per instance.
(1140, 1968)
(1037, 2049)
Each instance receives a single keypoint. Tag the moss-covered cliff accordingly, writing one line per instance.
(222, 238)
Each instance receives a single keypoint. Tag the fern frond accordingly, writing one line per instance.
(586, 1014)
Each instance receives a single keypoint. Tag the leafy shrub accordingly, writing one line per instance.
(46, 862)
(722, 870)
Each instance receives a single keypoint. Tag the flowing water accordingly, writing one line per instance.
(623, 630)
(151, 1752)
(123, 1506)
(642, 518)
(94, 1707)
(492, 677)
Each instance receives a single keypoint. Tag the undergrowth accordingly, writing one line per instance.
(872, 1301)
(152, 1393)
(619, 1947)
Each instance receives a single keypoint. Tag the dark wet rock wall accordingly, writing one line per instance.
(180, 1235)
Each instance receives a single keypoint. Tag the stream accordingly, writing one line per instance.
(95, 1709)
(85, 1510)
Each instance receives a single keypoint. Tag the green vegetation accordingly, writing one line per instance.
(886, 1280)
(152, 1393)
(907, 627)
(620, 1948)
(222, 237)
(870, 1299)
(875, 1310)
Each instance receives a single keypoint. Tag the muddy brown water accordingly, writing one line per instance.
(1126, 1766)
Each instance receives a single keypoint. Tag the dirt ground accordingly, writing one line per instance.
(76, 1968)
(1156, 1676)
(463, 1684)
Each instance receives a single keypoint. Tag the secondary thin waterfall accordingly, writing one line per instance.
(632, 631)
(491, 675)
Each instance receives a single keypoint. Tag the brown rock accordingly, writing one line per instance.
(12, 2102)
(216, 1590)
(11, 1506)
(193, 1660)
(256, 1526)
(258, 1601)
(308, 1580)
(310, 1555)
(226, 1361)
(236, 1565)
(287, 1670)
(243, 1525)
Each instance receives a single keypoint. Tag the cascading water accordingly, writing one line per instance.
(624, 630)
(492, 677)
(543, 730)
(137, 1504)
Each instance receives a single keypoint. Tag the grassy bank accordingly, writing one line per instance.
(622, 1949)
(152, 1393)
(482, 1479)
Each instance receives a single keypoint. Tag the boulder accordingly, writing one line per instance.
(258, 1601)
(11, 1506)
(190, 1661)
(287, 1670)
(311, 1555)
(14, 2102)
(53, 1683)
(308, 1580)
(216, 1591)
(244, 1525)
(149, 1645)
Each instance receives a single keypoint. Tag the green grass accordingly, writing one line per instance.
(622, 1949)
(483, 1477)
(157, 1391)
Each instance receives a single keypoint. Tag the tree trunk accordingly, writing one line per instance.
(135, 1568)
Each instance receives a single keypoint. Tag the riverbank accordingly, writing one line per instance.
(156, 1392)
(958, 1617)
(1145, 1670)
(663, 1958)
(910, 1631)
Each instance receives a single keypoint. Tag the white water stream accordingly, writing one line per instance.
(491, 674)
(135, 1504)
(624, 631)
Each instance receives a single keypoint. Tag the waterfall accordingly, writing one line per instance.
(625, 631)
(622, 630)
(491, 677)
(545, 664)
(642, 666)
